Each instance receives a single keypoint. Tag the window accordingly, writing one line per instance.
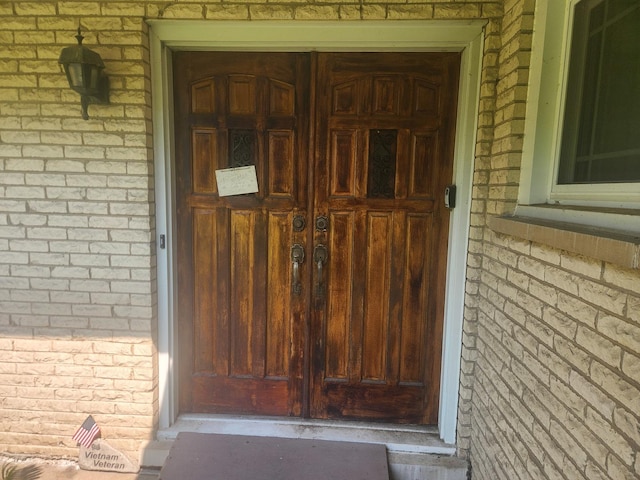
(601, 127)
(581, 152)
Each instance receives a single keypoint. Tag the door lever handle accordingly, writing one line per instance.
(297, 257)
(320, 255)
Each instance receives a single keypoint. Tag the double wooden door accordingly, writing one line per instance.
(322, 294)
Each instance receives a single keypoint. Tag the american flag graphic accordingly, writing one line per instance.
(87, 432)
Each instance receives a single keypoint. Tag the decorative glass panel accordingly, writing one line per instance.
(242, 148)
(382, 163)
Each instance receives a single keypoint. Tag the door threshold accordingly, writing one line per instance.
(410, 439)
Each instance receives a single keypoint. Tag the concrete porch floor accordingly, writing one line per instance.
(401, 467)
(38, 469)
(409, 467)
(413, 453)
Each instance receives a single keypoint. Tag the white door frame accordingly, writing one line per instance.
(428, 35)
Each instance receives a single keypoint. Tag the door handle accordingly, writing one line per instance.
(320, 255)
(297, 257)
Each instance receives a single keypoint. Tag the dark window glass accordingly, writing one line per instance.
(382, 164)
(601, 129)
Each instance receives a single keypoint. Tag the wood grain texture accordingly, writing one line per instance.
(242, 351)
(364, 139)
(380, 326)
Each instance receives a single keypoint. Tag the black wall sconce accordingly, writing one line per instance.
(84, 69)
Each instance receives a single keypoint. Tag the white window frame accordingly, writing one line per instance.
(542, 135)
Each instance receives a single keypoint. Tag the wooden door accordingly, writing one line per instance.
(360, 338)
(241, 330)
(384, 150)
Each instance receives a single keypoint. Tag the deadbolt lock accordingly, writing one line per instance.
(322, 223)
(299, 223)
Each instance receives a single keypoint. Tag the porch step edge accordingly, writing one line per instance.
(405, 439)
(425, 466)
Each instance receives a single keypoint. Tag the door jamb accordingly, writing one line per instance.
(428, 35)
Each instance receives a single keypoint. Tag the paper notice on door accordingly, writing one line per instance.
(237, 181)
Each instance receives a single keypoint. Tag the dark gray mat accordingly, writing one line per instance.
(201, 456)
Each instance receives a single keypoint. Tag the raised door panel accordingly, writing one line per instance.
(282, 98)
(376, 314)
(415, 290)
(344, 150)
(386, 94)
(204, 156)
(281, 163)
(422, 170)
(278, 329)
(242, 95)
(341, 243)
(203, 96)
(206, 306)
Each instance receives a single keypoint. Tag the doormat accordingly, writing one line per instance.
(202, 456)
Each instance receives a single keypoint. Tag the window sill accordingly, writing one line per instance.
(602, 244)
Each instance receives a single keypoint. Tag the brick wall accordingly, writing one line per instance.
(549, 380)
(503, 92)
(556, 392)
(77, 262)
(550, 383)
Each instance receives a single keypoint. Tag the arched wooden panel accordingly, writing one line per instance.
(426, 97)
(282, 98)
(203, 96)
(242, 95)
(345, 99)
(386, 95)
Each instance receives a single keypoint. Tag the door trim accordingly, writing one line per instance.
(429, 35)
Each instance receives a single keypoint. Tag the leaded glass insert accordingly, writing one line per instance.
(242, 148)
(382, 163)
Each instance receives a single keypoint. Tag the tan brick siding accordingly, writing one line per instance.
(546, 392)
(557, 377)
(550, 359)
(76, 212)
(77, 257)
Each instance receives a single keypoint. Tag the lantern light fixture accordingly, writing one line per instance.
(84, 70)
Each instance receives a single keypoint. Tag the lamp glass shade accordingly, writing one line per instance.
(83, 78)
(74, 71)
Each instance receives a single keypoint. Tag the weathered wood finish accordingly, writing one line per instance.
(377, 335)
(241, 330)
(368, 344)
